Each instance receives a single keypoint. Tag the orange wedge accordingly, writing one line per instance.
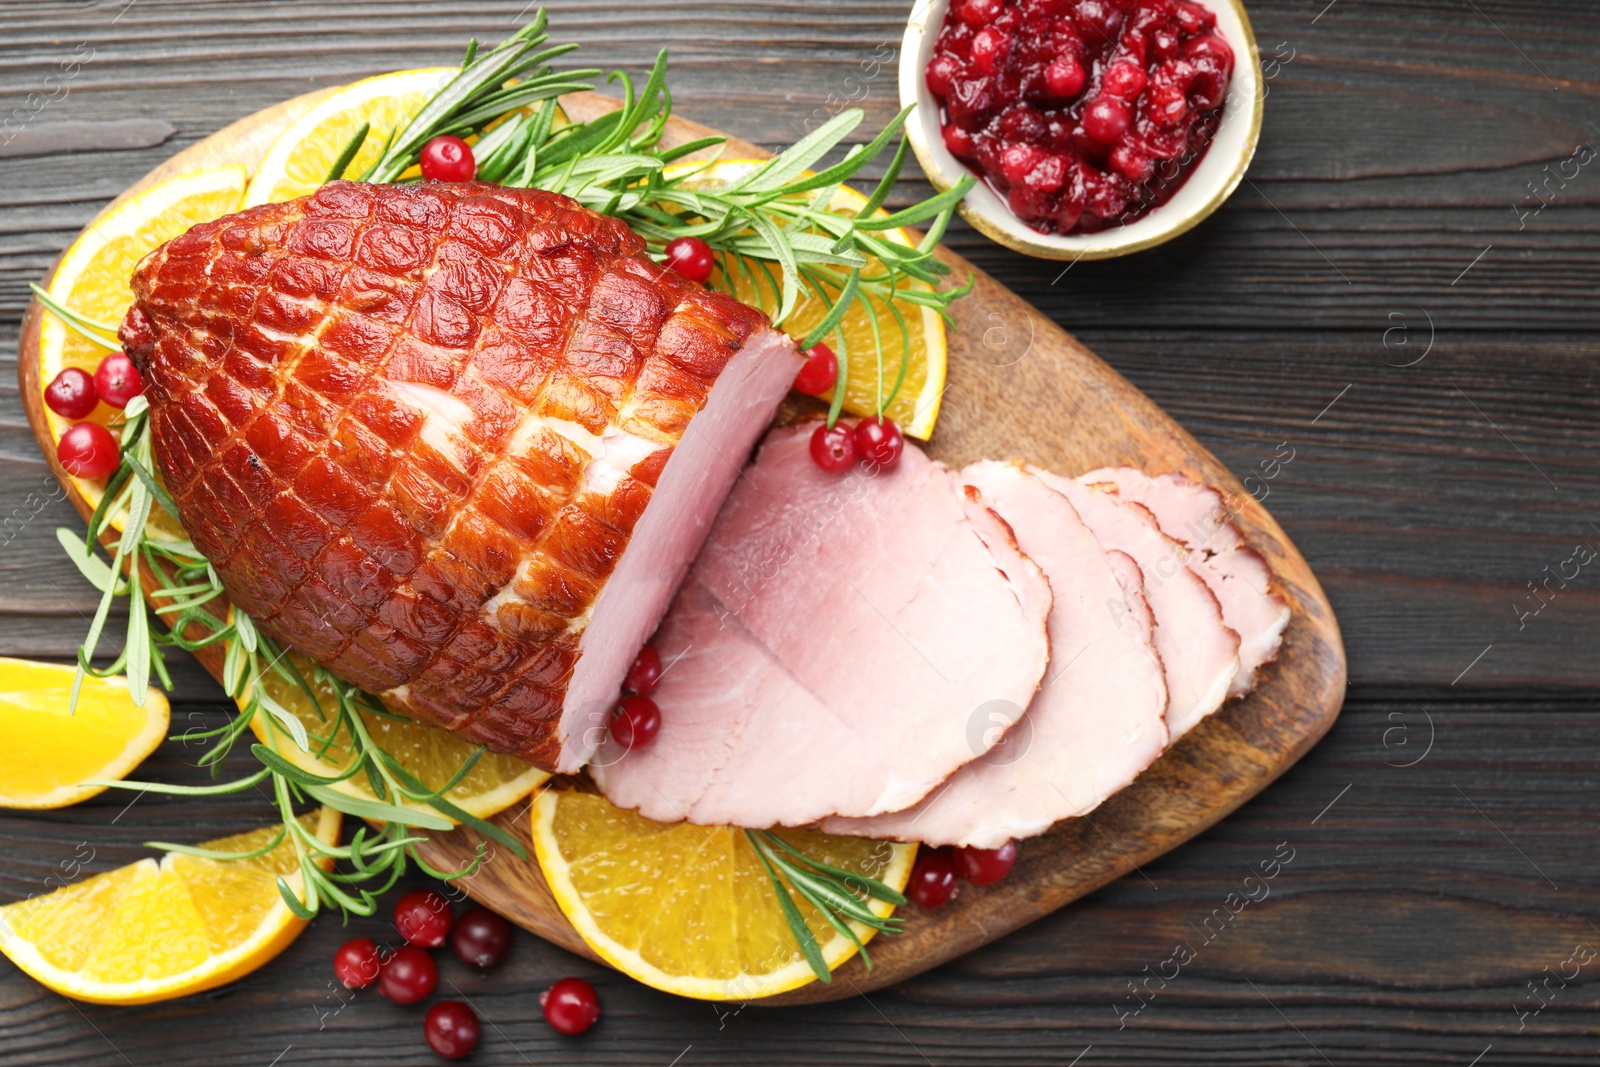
(159, 929)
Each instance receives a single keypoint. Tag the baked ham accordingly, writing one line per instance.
(1198, 650)
(842, 645)
(1236, 573)
(456, 443)
(1098, 720)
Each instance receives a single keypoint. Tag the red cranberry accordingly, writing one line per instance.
(1107, 197)
(1047, 174)
(989, 50)
(1022, 123)
(408, 975)
(87, 450)
(1210, 85)
(979, 13)
(71, 394)
(820, 372)
(1194, 19)
(1025, 203)
(1098, 20)
(879, 443)
(635, 722)
(933, 879)
(448, 159)
(645, 672)
(356, 963)
(1064, 77)
(451, 1029)
(991, 152)
(1124, 80)
(1166, 106)
(1210, 45)
(1163, 45)
(959, 142)
(1106, 118)
(985, 866)
(1129, 162)
(972, 102)
(833, 449)
(941, 74)
(692, 258)
(571, 1005)
(1018, 160)
(117, 380)
(423, 917)
(481, 938)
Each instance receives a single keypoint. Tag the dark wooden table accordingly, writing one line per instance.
(1403, 294)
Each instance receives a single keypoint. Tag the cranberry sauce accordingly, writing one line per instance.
(1081, 114)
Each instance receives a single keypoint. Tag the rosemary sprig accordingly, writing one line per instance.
(840, 896)
(513, 75)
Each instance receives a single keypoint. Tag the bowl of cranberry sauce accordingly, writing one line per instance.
(1095, 127)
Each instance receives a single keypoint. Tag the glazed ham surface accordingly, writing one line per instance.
(841, 646)
(457, 443)
(1098, 720)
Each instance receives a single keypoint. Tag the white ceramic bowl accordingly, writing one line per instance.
(1207, 186)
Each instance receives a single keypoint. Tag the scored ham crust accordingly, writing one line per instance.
(438, 439)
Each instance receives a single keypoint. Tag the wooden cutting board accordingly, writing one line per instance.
(1019, 386)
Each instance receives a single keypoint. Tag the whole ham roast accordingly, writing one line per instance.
(457, 443)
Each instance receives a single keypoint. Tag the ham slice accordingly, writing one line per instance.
(835, 647)
(1199, 652)
(1098, 720)
(1236, 573)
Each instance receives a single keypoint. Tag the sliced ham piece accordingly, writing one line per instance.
(1199, 652)
(1196, 515)
(1098, 720)
(834, 644)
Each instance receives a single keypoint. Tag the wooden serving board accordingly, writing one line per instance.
(1019, 386)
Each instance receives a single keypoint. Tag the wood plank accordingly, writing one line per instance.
(1231, 342)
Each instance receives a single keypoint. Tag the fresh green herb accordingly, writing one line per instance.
(840, 896)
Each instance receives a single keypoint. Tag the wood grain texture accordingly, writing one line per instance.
(1053, 404)
(1409, 924)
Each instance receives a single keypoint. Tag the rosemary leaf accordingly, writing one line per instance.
(797, 925)
(91, 566)
(348, 155)
(363, 808)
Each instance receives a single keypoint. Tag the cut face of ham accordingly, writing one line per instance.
(1196, 515)
(456, 443)
(1198, 651)
(1098, 720)
(835, 647)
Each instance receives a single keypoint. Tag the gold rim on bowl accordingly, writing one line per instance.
(1214, 178)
